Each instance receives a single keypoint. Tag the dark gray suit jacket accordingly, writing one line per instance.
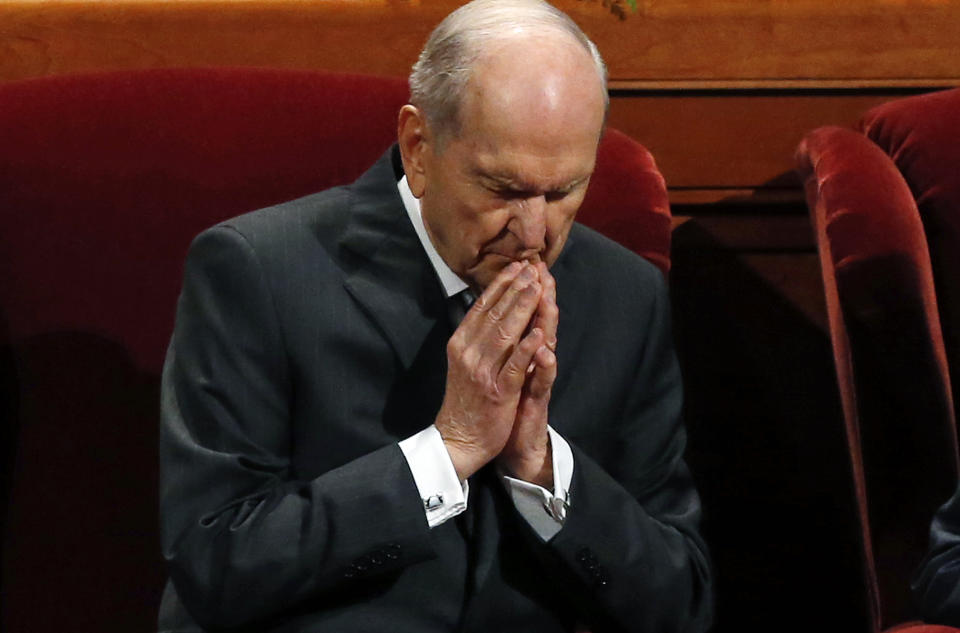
(310, 338)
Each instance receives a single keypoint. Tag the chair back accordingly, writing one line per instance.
(889, 355)
(104, 180)
(922, 136)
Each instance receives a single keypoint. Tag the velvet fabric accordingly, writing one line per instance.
(627, 179)
(889, 353)
(922, 136)
(104, 180)
(919, 627)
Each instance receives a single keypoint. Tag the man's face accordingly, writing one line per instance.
(507, 187)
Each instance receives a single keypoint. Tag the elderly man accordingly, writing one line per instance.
(343, 449)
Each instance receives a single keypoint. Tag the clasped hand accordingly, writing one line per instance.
(501, 367)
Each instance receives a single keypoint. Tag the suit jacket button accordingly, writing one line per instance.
(600, 578)
(586, 557)
(392, 551)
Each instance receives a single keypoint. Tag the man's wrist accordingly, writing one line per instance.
(537, 469)
(544, 509)
(442, 493)
(466, 459)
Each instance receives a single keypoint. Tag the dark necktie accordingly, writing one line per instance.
(457, 307)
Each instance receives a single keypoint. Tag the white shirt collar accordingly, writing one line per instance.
(452, 284)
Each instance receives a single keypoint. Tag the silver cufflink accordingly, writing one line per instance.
(433, 501)
(557, 508)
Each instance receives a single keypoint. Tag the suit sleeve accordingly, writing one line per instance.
(937, 586)
(244, 538)
(630, 546)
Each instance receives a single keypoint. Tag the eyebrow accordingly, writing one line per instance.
(507, 181)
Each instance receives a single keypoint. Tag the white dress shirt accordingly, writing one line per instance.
(444, 495)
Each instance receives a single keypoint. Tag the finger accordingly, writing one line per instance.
(548, 314)
(506, 320)
(546, 278)
(507, 330)
(540, 383)
(547, 281)
(486, 342)
(493, 292)
(548, 317)
(513, 373)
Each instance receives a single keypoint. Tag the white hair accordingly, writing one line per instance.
(439, 78)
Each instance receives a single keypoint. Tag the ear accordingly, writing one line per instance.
(412, 136)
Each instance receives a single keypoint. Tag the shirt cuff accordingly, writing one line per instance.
(545, 511)
(442, 493)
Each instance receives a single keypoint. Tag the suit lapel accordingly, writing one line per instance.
(393, 282)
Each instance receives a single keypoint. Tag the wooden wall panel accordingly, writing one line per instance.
(800, 40)
(43, 37)
(726, 144)
(666, 42)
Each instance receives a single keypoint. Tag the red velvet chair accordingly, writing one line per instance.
(104, 180)
(913, 627)
(890, 359)
(922, 136)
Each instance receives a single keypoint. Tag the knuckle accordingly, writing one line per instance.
(496, 313)
(454, 345)
(457, 352)
(529, 345)
(512, 369)
(480, 376)
(469, 357)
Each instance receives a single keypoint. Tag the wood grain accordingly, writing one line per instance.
(752, 41)
(726, 142)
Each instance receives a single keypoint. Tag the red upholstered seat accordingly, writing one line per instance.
(918, 627)
(889, 352)
(104, 180)
(627, 199)
(922, 136)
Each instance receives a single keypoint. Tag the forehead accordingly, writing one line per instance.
(535, 120)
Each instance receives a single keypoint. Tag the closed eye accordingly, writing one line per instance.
(509, 194)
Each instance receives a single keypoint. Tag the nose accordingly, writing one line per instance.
(530, 224)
